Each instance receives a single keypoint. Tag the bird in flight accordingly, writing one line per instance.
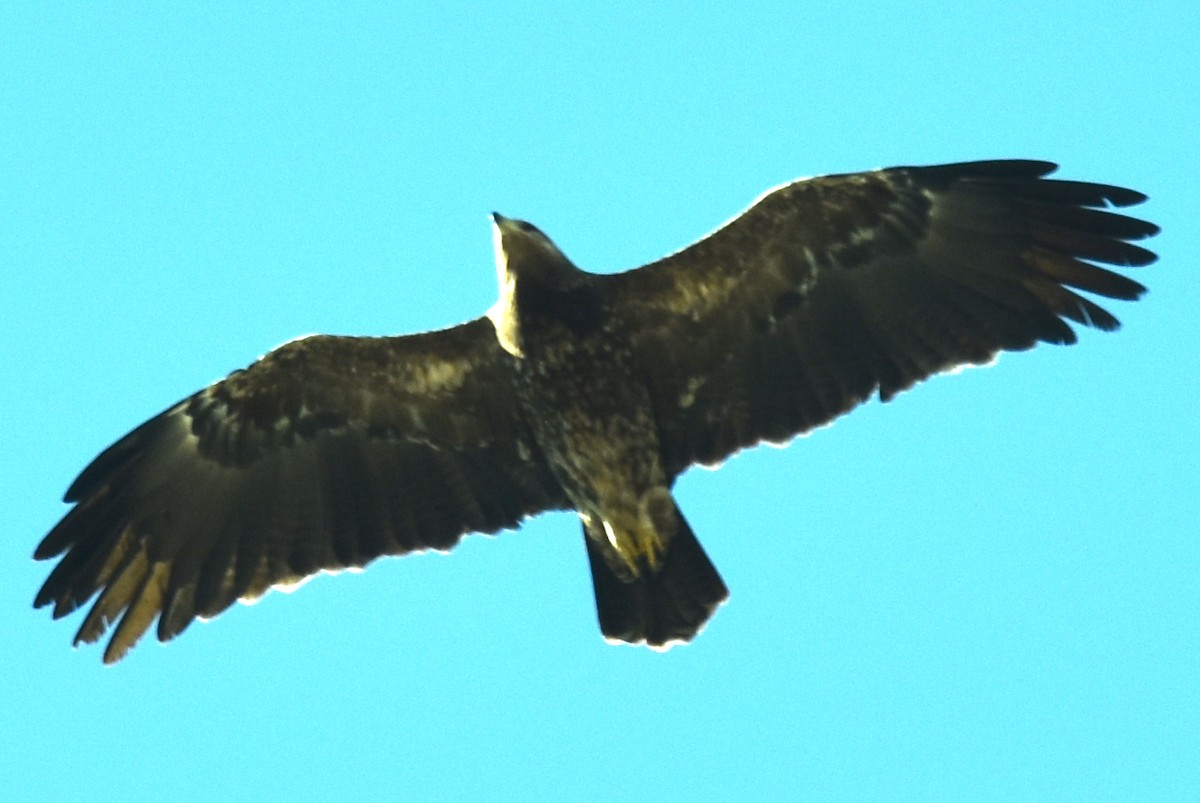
(585, 392)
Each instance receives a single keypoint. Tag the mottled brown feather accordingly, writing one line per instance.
(325, 454)
(332, 451)
(886, 278)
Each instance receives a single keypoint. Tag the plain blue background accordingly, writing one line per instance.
(985, 589)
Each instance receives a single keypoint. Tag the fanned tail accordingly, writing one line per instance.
(658, 608)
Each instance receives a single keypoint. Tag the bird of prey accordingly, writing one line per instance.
(586, 392)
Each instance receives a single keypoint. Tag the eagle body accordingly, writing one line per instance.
(591, 415)
(586, 392)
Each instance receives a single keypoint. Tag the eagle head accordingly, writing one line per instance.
(524, 251)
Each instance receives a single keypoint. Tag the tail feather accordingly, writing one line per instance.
(658, 608)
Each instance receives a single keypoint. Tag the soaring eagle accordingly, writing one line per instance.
(588, 392)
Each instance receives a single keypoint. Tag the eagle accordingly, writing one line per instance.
(589, 392)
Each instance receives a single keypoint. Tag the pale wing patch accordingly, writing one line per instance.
(699, 298)
(688, 397)
(435, 377)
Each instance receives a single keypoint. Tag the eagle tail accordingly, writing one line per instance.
(658, 608)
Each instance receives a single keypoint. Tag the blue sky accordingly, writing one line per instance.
(984, 589)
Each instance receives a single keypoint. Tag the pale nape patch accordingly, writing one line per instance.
(502, 314)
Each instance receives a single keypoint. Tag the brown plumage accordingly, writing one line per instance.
(586, 392)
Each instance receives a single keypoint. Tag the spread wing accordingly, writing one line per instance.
(831, 289)
(325, 454)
